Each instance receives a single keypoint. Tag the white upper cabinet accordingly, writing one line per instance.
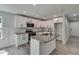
(20, 21)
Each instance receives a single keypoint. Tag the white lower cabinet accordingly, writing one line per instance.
(39, 48)
(21, 39)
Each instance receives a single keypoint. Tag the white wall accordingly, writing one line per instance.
(75, 28)
(8, 30)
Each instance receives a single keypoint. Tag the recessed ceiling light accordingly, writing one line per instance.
(34, 4)
(25, 12)
(74, 14)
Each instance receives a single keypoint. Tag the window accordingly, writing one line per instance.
(1, 36)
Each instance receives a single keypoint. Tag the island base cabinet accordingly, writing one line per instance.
(47, 48)
(40, 48)
(34, 47)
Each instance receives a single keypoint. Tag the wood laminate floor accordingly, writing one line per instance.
(12, 50)
(71, 48)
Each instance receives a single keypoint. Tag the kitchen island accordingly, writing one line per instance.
(42, 44)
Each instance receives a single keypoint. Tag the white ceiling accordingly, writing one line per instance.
(41, 10)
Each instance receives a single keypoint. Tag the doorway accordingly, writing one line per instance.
(58, 30)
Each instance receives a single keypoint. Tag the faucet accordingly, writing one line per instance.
(50, 30)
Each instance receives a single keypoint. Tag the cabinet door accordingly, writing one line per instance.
(22, 39)
(20, 21)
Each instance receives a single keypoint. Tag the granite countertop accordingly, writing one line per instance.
(43, 38)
